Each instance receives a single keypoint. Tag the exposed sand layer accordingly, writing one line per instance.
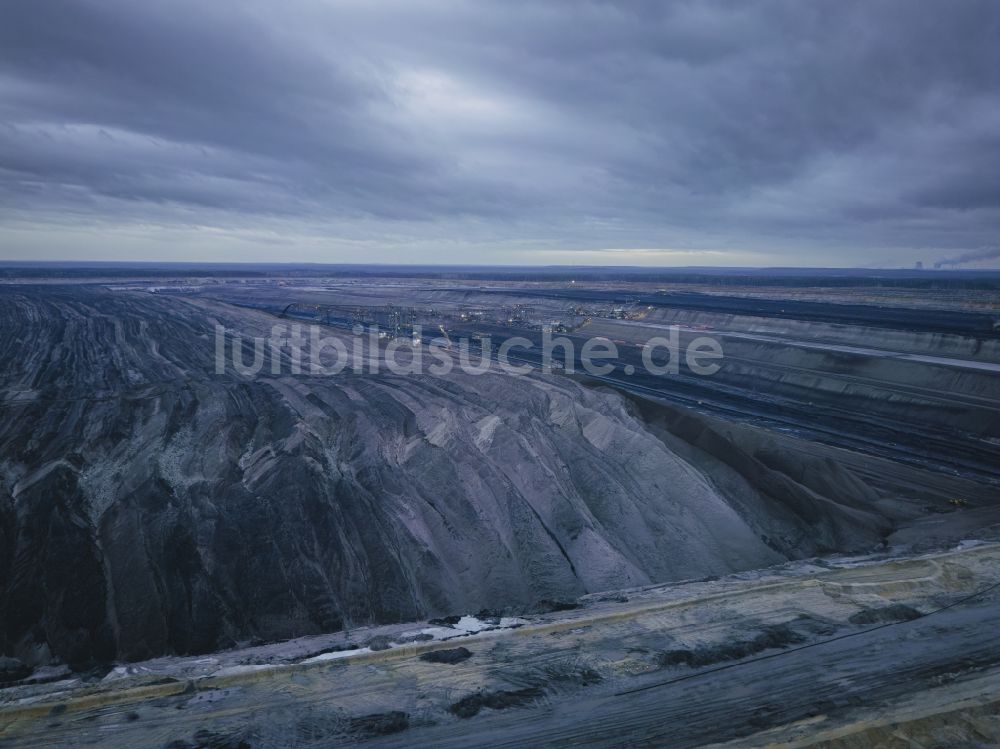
(855, 652)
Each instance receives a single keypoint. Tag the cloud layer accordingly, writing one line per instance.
(828, 133)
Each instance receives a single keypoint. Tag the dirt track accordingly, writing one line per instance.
(796, 653)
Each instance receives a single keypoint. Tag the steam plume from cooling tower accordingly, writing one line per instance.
(969, 257)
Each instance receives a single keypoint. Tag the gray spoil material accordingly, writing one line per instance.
(450, 656)
(150, 506)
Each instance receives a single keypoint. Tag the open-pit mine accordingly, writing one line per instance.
(215, 534)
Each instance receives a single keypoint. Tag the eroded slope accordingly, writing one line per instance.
(149, 505)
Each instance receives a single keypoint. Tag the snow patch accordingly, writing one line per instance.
(336, 655)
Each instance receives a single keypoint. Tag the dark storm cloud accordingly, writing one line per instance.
(825, 127)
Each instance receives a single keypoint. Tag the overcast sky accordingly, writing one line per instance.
(654, 133)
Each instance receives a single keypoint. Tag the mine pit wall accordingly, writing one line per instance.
(979, 348)
(913, 393)
(189, 513)
(260, 549)
(799, 505)
(948, 415)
